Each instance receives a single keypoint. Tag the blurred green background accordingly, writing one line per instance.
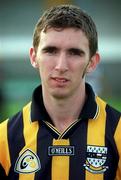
(17, 77)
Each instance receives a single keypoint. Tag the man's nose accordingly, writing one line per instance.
(62, 63)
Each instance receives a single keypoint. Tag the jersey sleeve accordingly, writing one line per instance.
(4, 150)
(117, 137)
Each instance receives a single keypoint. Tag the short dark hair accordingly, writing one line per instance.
(67, 16)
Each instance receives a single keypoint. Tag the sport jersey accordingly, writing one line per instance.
(31, 148)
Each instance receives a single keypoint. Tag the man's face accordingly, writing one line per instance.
(62, 58)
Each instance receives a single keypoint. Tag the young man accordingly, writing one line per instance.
(66, 132)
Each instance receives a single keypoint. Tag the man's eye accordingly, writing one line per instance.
(76, 52)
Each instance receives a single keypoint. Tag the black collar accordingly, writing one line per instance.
(39, 113)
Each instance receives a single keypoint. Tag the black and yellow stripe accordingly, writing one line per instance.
(60, 164)
(31, 143)
(96, 134)
(36, 132)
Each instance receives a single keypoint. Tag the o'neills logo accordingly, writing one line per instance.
(61, 150)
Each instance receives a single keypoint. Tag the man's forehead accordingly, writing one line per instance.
(67, 33)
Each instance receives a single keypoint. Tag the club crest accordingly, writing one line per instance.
(96, 158)
(27, 162)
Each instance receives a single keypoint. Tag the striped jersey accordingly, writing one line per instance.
(31, 148)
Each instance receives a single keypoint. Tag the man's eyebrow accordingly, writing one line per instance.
(49, 47)
(76, 51)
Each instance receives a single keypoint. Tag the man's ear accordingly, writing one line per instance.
(33, 59)
(94, 61)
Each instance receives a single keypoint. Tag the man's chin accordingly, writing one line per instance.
(58, 95)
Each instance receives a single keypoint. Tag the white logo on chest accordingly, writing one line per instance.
(27, 162)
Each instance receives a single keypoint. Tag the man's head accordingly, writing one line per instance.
(67, 16)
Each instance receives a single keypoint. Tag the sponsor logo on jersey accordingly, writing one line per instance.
(27, 162)
(96, 159)
(61, 150)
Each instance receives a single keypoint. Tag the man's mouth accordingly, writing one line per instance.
(61, 80)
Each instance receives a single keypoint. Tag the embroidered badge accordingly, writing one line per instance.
(27, 162)
(61, 150)
(96, 158)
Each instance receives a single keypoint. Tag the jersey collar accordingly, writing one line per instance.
(39, 113)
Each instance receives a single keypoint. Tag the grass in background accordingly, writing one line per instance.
(11, 109)
(115, 103)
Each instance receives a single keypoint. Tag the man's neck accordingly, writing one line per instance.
(64, 112)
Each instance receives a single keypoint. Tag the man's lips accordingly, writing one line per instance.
(60, 79)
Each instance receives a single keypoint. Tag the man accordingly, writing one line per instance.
(66, 132)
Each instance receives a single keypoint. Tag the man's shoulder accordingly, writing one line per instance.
(108, 107)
